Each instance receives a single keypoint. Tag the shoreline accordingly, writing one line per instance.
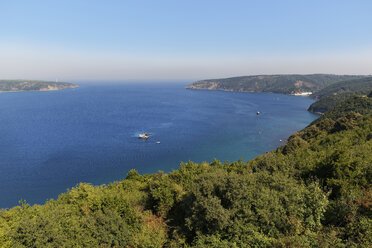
(248, 91)
(297, 95)
(40, 90)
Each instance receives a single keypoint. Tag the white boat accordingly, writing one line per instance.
(143, 136)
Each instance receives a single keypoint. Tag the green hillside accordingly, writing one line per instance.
(360, 104)
(32, 85)
(359, 86)
(334, 94)
(328, 102)
(315, 191)
(284, 84)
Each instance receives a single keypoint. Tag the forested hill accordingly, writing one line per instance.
(315, 191)
(32, 85)
(284, 84)
(360, 104)
(359, 86)
(334, 94)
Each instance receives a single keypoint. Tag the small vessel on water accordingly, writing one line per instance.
(258, 113)
(157, 142)
(143, 136)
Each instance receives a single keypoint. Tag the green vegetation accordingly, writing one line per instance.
(334, 94)
(315, 191)
(284, 84)
(32, 85)
(358, 103)
(328, 102)
(356, 86)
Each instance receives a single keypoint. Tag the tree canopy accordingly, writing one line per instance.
(336, 93)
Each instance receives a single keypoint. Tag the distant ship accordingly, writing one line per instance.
(143, 136)
(258, 113)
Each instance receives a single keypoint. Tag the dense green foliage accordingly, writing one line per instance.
(328, 102)
(361, 104)
(357, 86)
(32, 85)
(315, 191)
(357, 103)
(285, 84)
(334, 94)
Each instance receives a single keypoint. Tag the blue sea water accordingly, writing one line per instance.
(51, 141)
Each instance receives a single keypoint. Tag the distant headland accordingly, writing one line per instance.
(33, 85)
(295, 84)
(328, 89)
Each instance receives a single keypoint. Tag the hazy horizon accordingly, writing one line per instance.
(183, 40)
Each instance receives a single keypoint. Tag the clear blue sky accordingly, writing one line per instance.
(175, 39)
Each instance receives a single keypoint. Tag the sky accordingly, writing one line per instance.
(183, 39)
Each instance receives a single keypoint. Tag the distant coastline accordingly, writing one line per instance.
(289, 84)
(33, 85)
(328, 89)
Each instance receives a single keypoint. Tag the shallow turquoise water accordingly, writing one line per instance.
(50, 141)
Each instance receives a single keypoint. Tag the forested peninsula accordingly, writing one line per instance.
(281, 84)
(314, 191)
(329, 90)
(33, 85)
